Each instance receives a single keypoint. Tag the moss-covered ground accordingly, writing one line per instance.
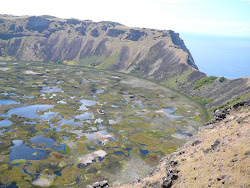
(89, 110)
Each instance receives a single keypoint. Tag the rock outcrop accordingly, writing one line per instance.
(217, 156)
(103, 184)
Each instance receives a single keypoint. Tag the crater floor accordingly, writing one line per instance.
(67, 125)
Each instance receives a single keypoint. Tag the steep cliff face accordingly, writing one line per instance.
(156, 54)
(160, 55)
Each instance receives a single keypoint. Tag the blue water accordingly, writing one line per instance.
(144, 152)
(5, 123)
(220, 56)
(86, 103)
(22, 151)
(184, 134)
(70, 122)
(65, 137)
(170, 112)
(58, 173)
(47, 89)
(97, 91)
(31, 111)
(49, 143)
(86, 115)
(9, 102)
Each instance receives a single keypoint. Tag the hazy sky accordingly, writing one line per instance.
(217, 17)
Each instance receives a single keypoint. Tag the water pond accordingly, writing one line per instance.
(70, 124)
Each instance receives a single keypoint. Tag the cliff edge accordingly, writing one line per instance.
(159, 55)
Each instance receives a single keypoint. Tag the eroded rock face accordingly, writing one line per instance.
(135, 35)
(37, 24)
(103, 184)
(160, 55)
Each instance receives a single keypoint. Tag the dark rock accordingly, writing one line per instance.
(104, 28)
(73, 21)
(103, 184)
(218, 178)
(212, 120)
(174, 177)
(37, 24)
(155, 184)
(196, 142)
(247, 153)
(239, 119)
(134, 35)
(206, 151)
(220, 113)
(174, 163)
(181, 152)
(95, 33)
(12, 27)
(234, 160)
(115, 32)
(167, 183)
(215, 145)
(81, 30)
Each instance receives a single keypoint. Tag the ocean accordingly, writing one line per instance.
(218, 55)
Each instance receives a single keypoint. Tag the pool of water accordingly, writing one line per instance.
(170, 112)
(84, 116)
(50, 143)
(2, 131)
(70, 122)
(48, 89)
(31, 111)
(5, 123)
(6, 102)
(144, 152)
(121, 117)
(97, 91)
(86, 103)
(116, 106)
(22, 151)
(182, 133)
(65, 137)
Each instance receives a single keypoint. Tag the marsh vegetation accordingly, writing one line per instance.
(67, 125)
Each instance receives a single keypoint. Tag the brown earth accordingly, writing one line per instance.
(218, 156)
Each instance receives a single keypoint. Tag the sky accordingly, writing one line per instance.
(210, 17)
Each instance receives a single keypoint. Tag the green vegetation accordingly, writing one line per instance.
(75, 132)
(207, 80)
(47, 16)
(110, 22)
(135, 70)
(109, 62)
(232, 102)
(180, 79)
(222, 79)
(203, 100)
(59, 62)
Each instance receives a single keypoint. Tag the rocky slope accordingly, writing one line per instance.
(160, 55)
(218, 156)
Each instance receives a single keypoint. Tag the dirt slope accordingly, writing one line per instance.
(218, 156)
